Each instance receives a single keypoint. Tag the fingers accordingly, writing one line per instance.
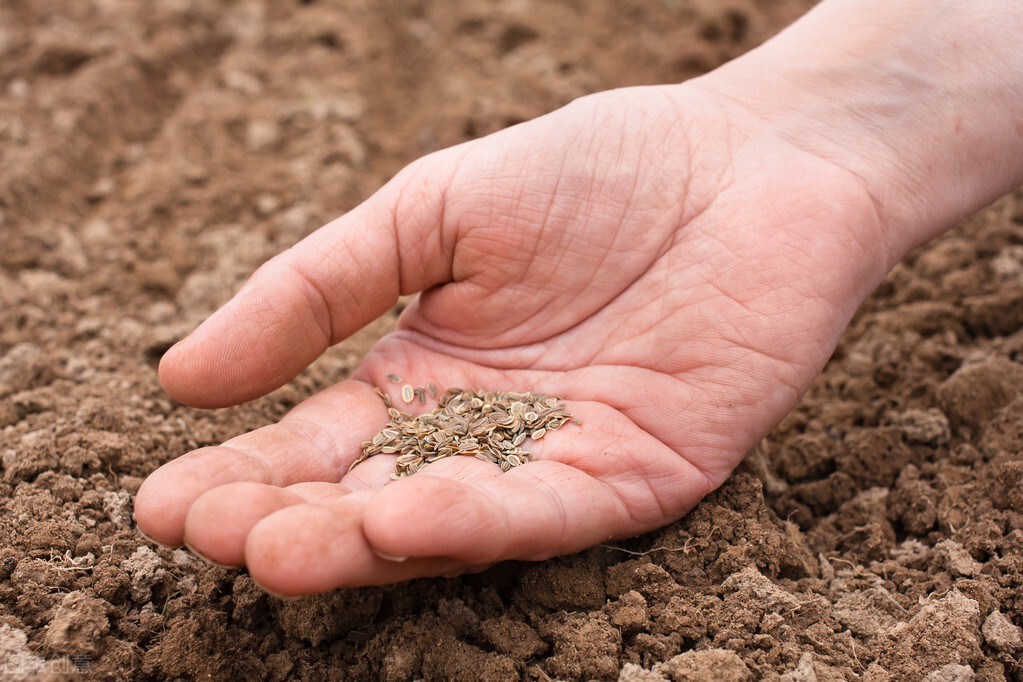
(163, 500)
(317, 293)
(218, 522)
(298, 540)
(313, 548)
(586, 485)
(315, 442)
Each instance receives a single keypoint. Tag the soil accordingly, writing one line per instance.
(153, 154)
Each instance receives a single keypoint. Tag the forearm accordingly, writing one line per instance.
(921, 99)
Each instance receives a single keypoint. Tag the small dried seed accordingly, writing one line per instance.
(486, 425)
(433, 390)
(394, 378)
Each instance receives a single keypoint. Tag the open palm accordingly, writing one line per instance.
(655, 257)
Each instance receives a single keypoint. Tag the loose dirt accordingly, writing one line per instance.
(153, 154)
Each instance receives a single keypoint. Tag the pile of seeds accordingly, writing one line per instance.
(486, 425)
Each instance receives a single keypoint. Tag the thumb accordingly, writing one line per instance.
(317, 293)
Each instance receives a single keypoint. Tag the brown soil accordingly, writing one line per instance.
(152, 154)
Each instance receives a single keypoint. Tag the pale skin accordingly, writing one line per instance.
(676, 262)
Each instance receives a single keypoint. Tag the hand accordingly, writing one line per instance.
(678, 277)
(676, 262)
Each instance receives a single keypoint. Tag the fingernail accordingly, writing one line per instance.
(155, 542)
(208, 560)
(389, 557)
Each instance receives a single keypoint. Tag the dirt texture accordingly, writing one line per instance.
(153, 154)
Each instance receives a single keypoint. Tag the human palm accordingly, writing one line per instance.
(656, 257)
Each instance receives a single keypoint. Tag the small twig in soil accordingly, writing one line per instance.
(70, 563)
(684, 548)
(660, 548)
(841, 561)
(539, 671)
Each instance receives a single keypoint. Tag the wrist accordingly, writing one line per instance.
(920, 100)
